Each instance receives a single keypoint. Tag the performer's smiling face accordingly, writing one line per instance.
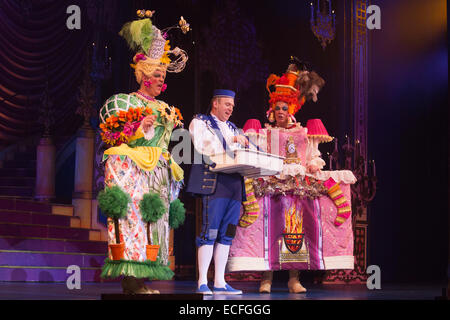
(281, 114)
(222, 108)
(156, 81)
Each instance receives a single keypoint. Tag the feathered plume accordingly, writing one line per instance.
(138, 34)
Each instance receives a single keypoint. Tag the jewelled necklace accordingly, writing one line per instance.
(146, 96)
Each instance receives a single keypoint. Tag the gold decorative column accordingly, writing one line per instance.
(84, 153)
(84, 159)
(45, 169)
(46, 151)
(364, 190)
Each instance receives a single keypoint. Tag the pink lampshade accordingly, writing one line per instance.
(316, 129)
(252, 124)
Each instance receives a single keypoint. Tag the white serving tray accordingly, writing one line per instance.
(248, 163)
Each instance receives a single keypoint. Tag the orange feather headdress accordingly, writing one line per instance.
(286, 90)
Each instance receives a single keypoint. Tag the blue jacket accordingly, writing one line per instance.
(201, 180)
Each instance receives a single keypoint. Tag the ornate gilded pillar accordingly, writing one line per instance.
(84, 157)
(84, 153)
(356, 150)
(360, 68)
(45, 169)
(360, 72)
(46, 150)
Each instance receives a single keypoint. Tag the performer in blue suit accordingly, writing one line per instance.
(221, 193)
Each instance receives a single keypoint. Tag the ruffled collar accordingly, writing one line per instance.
(294, 127)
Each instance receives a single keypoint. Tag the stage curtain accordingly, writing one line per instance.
(36, 46)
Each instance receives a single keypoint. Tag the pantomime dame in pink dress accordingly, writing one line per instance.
(299, 219)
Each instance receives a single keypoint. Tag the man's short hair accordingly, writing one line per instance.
(211, 103)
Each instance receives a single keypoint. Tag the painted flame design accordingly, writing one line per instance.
(293, 223)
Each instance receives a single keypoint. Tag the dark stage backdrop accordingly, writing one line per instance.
(237, 44)
(408, 138)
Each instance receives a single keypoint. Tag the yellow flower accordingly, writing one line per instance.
(167, 46)
(162, 110)
(165, 59)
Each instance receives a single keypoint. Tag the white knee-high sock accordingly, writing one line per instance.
(220, 261)
(205, 254)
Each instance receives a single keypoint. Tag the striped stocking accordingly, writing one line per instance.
(251, 207)
(344, 209)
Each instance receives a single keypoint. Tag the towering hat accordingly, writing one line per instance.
(151, 46)
(292, 87)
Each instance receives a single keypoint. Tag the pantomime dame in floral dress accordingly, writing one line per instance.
(142, 181)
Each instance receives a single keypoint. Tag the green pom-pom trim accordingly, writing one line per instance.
(176, 214)
(113, 202)
(152, 207)
(153, 270)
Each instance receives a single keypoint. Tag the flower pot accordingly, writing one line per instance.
(172, 263)
(117, 250)
(152, 252)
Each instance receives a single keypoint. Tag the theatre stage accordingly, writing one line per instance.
(93, 291)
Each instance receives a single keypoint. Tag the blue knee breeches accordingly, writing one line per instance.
(221, 212)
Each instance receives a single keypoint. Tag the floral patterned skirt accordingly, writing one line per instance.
(123, 172)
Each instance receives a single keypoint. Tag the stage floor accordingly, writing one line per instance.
(93, 291)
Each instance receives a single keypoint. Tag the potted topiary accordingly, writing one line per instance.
(152, 209)
(114, 203)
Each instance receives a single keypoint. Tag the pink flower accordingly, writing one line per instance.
(136, 124)
(147, 83)
(107, 135)
(116, 135)
(140, 56)
(164, 87)
(128, 129)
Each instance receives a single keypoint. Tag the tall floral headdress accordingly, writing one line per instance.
(151, 45)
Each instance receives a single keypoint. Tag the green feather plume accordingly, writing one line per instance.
(138, 34)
